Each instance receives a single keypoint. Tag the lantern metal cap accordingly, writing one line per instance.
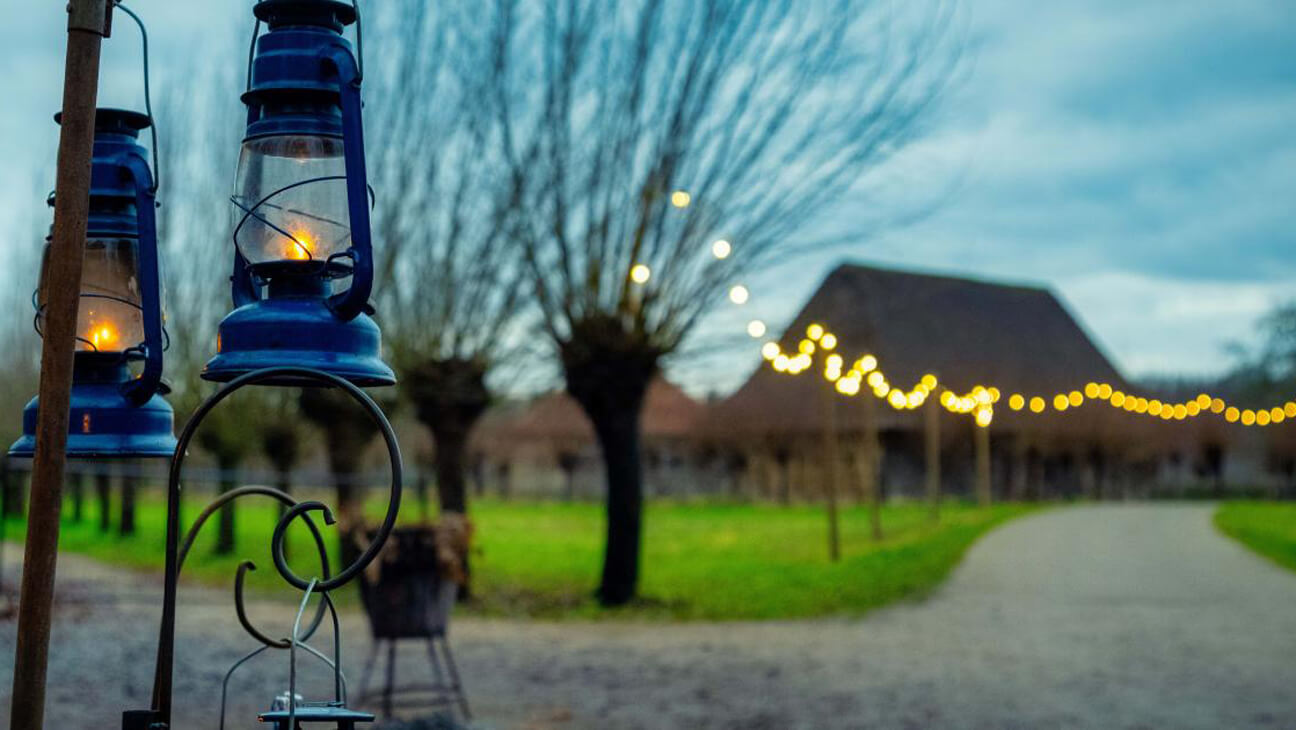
(109, 120)
(330, 14)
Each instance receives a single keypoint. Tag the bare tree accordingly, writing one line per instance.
(199, 129)
(449, 277)
(637, 134)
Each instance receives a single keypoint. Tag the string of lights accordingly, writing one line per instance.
(981, 400)
(865, 375)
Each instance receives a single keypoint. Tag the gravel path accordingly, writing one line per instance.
(1087, 617)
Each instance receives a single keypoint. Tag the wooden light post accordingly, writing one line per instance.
(932, 444)
(832, 470)
(88, 25)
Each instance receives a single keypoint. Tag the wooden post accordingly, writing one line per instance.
(872, 467)
(87, 27)
(931, 419)
(832, 470)
(982, 439)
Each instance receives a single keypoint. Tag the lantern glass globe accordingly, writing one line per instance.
(110, 314)
(290, 195)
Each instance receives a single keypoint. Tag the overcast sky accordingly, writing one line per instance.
(1138, 157)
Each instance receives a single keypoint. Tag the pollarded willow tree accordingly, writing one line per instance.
(448, 279)
(764, 113)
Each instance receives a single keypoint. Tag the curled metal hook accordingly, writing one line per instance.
(175, 555)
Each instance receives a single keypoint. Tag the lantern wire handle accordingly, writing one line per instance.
(355, 4)
(148, 100)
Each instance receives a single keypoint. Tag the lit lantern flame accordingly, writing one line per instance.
(103, 336)
(301, 247)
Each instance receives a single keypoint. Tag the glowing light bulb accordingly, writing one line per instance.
(929, 381)
(721, 249)
(1203, 401)
(806, 347)
(640, 273)
(1232, 414)
(1248, 417)
(781, 362)
(756, 328)
(770, 350)
(1091, 390)
(867, 363)
(815, 331)
(1075, 399)
(681, 199)
(828, 341)
(1016, 401)
(1180, 411)
(896, 399)
(1217, 405)
(1118, 399)
(1061, 402)
(1104, 391)
(1037, 404)
(984, 416)
(738, 294)
(834, 361)
(1262, 418)
(1290, 409)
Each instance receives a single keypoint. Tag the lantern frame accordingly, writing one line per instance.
(114, 414)
(303, 79)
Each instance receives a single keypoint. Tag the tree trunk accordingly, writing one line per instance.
(225, 519)
(283, 482)
(451, 465)
(103, 491)
(618, 436)
(608, 368)
(421, 492)
(13, 489)
(129, 487)
(77, 488)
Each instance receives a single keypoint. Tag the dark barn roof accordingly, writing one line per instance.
(964, 331)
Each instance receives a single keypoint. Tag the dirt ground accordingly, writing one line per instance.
(1121, 616)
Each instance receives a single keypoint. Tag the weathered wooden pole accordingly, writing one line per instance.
(832, 471)
(88, 25)
(931, 434)
(981, 435)
(873, 467)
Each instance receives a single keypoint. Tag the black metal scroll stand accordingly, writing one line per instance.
(289, 712)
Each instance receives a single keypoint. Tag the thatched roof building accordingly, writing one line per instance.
(966, 332)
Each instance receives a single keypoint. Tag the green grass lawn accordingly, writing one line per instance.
(1269, 528)
(700, 560)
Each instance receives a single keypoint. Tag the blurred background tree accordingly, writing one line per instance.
(449, 279)
(641, 135)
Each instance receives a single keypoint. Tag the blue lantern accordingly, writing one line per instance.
(302, 201)
(115, 413)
